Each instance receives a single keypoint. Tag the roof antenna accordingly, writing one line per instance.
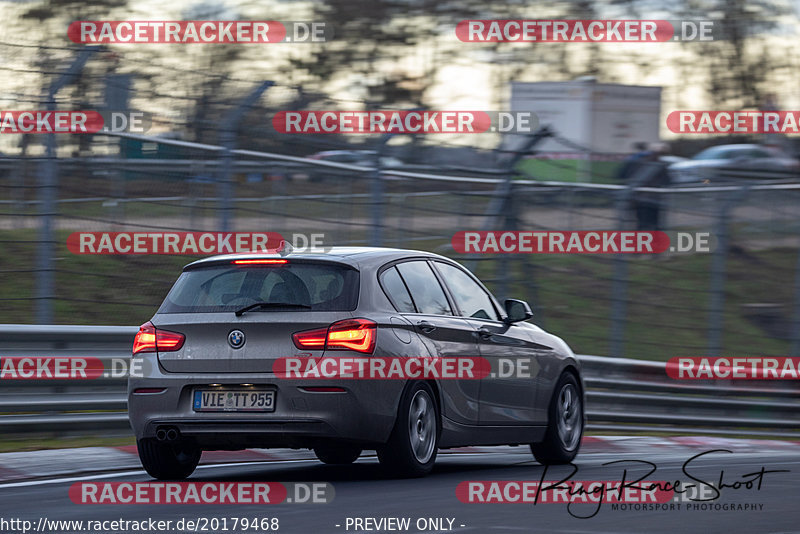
(285, 248)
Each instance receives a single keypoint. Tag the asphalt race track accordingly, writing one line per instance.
(362, 492)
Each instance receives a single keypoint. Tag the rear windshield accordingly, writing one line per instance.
(221, 288)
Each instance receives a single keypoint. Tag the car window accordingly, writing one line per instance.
(425, 289)
(396, 290)
(229, 287)
(227, 283)
(732, 153)
(719, 152)
(470, 297)
(710, 153)
(341, 158)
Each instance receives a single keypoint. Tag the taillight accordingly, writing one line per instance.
(150, 339)
(260, 262)
(145, 340)
(352, 334)
(349, 334)
(310, 339)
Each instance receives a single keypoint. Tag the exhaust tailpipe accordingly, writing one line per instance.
(167, 433)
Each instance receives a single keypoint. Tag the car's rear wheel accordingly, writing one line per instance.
(168, 461)
(337, 455)
(412, 446)
(565, 426)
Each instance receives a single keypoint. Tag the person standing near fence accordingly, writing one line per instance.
(649, 171)
(641, 151)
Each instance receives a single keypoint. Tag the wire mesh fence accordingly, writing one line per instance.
(741, 298)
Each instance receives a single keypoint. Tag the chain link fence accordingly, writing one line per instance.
(740, 299)
(743, 298)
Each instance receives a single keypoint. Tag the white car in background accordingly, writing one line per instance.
(711, 163)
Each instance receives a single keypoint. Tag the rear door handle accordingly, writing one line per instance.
(426, 327)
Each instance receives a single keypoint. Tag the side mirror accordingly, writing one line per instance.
(517, 310)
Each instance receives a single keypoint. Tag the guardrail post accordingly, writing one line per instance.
(228, 141)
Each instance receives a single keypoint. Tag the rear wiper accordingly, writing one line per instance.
(261, 305)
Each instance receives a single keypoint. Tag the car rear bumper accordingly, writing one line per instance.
(364, 413)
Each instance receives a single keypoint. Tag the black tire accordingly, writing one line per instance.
(337, 455)
(167, 461)
(412, 446)
(565, 424)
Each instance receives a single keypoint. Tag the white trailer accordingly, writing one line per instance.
(605, 118)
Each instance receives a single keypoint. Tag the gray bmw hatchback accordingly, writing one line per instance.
(215, 372)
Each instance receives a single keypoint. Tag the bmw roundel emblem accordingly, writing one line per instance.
(236, 339)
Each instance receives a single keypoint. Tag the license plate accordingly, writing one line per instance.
(233, 400)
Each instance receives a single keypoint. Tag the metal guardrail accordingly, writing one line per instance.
(623, 395)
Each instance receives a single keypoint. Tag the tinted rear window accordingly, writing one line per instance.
(221, 288)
